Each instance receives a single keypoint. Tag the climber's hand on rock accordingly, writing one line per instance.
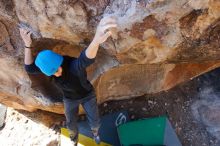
(26, 36)
(103, 30)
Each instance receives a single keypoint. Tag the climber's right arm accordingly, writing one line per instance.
(29, 64)
(26, 36)
(28, 58)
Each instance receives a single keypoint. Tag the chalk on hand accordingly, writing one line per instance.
(35, 34)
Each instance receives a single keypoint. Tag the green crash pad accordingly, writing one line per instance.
(148, 132)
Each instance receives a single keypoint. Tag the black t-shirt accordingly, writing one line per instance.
(73, 81)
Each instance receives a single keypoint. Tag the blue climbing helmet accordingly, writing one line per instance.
(48, 62)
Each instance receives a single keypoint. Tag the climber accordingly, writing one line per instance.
(69, 74)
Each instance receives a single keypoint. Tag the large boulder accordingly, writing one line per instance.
(206, 108)
(157, 45)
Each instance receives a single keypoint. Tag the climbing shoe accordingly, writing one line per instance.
(97, 139)
(74, 139)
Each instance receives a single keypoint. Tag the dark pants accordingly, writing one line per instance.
(89, 104)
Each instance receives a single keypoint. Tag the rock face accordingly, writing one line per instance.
(157, 45)
(206, 108)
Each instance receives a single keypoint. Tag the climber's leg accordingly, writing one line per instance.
(91, 108)
(71, 112)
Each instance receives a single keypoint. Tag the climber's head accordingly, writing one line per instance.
(49, 63)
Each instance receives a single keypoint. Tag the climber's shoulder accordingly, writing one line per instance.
(32, 68)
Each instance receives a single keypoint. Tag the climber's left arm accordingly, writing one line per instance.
(102, 33)
(87, 56)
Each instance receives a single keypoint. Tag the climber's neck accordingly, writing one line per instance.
(59, 72)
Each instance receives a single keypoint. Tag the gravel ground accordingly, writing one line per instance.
(23, 131)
